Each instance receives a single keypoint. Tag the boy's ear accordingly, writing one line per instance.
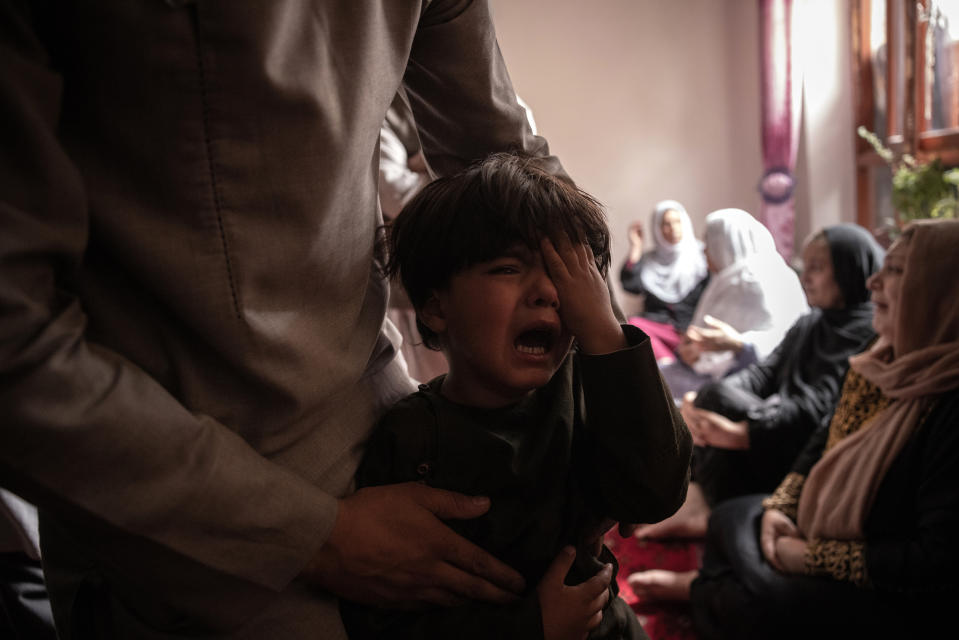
(431, 314)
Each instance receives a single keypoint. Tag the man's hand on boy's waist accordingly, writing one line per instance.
(390, 548)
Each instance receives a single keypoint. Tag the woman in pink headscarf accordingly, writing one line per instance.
(860, 539)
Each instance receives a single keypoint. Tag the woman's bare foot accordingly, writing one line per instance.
(688, 522)
(658, 584)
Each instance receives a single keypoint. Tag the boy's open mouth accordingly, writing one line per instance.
(536, 342)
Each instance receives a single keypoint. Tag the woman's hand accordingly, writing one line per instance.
(718, 431)
(711, 429)
(570, 613)
(417, 163)
(777, 529)
(718, 336)
(690, 347)
(791, 553)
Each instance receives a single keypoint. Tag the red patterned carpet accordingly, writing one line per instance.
(661, 620)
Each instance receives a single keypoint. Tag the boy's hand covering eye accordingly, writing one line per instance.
(584, 304)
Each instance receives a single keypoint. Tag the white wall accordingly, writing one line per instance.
(651, 99)
(828, 185)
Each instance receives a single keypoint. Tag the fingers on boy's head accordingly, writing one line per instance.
(481, 213)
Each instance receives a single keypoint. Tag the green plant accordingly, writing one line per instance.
(919, 189)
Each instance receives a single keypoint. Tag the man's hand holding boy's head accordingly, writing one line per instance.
(584, 304)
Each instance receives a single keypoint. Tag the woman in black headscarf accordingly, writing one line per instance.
(751, 425)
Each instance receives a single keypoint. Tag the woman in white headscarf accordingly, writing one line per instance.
(671, 276)
(752, 300)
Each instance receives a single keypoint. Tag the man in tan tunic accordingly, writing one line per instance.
(192, 346)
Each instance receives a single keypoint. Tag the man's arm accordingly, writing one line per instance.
(460, 92)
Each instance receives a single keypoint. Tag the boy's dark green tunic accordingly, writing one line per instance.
(602, 440)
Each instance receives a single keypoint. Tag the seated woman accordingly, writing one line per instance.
(751, 301)
(671, 276)
(860, 539)
(749, 426)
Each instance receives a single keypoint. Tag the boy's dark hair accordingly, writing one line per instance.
(481, 213)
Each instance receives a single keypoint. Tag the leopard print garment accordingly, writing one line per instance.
(838, 559)
(786, 496)
(860, 402)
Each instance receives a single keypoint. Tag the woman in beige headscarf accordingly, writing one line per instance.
(862, 538)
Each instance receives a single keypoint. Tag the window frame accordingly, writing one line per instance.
(916, 137)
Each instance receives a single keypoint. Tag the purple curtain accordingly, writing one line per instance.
(780, 121)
